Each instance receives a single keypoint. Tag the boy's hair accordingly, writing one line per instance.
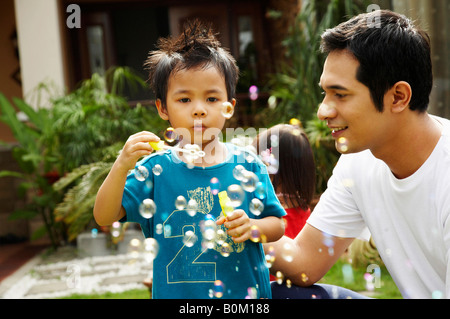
(389, 49)
(197, 46)
(296, 175)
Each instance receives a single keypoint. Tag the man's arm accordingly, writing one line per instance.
(307, 258)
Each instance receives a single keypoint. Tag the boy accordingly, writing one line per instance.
(192, 77)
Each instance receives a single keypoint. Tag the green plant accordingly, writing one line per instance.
(77, 139)
(295, 85)
(36, 164)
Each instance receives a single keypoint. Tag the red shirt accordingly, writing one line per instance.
(295, 220)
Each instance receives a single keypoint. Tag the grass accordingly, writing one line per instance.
(353, 278)
(338, 275)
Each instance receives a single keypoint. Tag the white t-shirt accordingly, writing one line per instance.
(409, 219)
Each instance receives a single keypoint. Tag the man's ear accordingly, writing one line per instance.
(162, 111)
(400, 96)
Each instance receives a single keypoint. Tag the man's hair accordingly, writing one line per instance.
(389, 49)
(197, 46)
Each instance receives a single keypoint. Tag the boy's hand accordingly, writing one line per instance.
(238, 224)
(135, 147)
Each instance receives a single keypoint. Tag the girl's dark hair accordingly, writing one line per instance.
(296, 175)
(389, 49)
(197, 46)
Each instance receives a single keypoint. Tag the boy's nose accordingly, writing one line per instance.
(199, 110)
(326, 111)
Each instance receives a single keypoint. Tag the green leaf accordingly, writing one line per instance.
(22, 214)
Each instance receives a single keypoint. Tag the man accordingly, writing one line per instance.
(394, 174)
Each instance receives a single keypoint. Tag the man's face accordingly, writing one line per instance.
(348, 108)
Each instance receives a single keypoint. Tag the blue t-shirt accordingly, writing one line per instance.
(185, 267)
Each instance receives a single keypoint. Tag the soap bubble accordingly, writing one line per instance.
(253, 92)
(236, 195)
(189, 238)
(342, 145)
(256, 207)
(157, 169)
(180, 202)
(141, 173)
(221, 237)
(170, 135)
(147, 208)
(192, 207)
(215, 185)
(116, 229)
(219, 289)
(238, 171)
(151, 248)
(287, 252)
(252, 293)
(249, 181)
(227, 110)
(270, 256)
(260, 190)
(134, 248)
(255, 234)
(225, 250)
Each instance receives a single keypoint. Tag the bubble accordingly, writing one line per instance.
(256, 207)
(255, 234)
(215, 185)
(238, 171)
(279, 275)
(342, 145)
(116, 229)
(180, 202)
(189, 238)
(249, 181)
(369, 282)
(252, 293)
(134, 248)
(159, 229)
(221, 237)
(157, 169)
(304, 277)
(225, 250)
(208, 228)
(270, 256)
(147, 208)
(347, 273)
(288, 252)
(227, 110)
(236, 195)
(151, 248)
(253, 92)
(141, 173)
(170, 135)
(260, 190)
(272, 102)
(219, 289)
(192, 207)
(437, 294)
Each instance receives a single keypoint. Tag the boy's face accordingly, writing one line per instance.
(194, 104)
(348, 108)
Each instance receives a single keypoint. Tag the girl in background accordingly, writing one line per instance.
(286, 150)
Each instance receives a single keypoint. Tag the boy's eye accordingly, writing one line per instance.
(184, 100)
(212, 99)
